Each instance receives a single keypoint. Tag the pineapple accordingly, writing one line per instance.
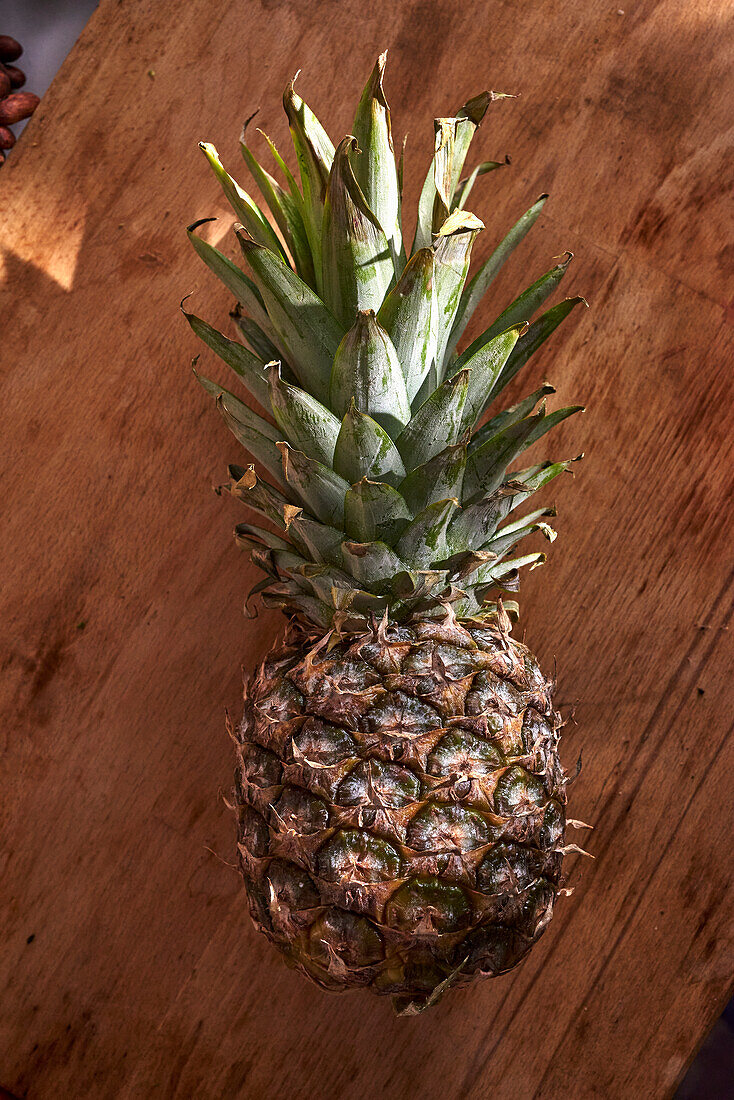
(399, 796)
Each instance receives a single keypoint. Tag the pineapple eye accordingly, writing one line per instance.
(261, 767)
(507, 869)
(466, 754)
(352, 856)
(426, 906)
(318, 742)
(517, 790)
(441, 827)
(554, 822)
(348, 937)
(300, 812)
(374, 783)
(290, 892)
(252, 831)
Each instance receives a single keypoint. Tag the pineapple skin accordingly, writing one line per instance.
(400, 805)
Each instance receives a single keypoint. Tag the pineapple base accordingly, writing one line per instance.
(400, 805)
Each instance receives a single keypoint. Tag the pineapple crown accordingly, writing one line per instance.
(375, 463)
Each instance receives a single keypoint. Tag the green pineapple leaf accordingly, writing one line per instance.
(438, 422)
(322, 542)
(307, 424)
(452, 139)
(409, 315)
(247, 211)
(366, 370)
(364, 449)
(375, 512)
(453, 252)
(475, 290)
(438, 479)
(533, 478)
(423, 541)
(256, 337)
(247, 533)
(242, 361)
(466, 186)
(357, 266)
(485, 467)
(374, 168)
(304, 325)
(314, 153)
(372, 564)
(286, 211)
(235, 280)
(315, 484)
(254, 433)
(537, 334)
(508, 416)
(486, 366)
(510, 534)
(251, 490)
(522, 308)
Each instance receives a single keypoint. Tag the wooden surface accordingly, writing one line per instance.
(129, 968)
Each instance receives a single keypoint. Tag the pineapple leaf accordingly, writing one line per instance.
(364, 449)
(246, 534)
(536, 335)
(452, 139)
(485, 467)
(423, 541)
(286, 211)
(466, 186)
(322, 542)
(247, 211)
(522, 308)
(247, 487)
(357, 266)
(308, 330)
(438, 479)
(437, 423)
(243, 362)
(485, 276)
(507, 538)
(437, 183)
(476, 524)
(292, 185)
(315, 484)
(238, 408)
(374, 168)
(375, 512)
(235, 280)
(533, 478)
(372, 564)
(494, 571)
(308, 425)
(486, 366)
(510, 415)
(256, 337)
(410, 318)
(252, 432)
(366, 370)
(314, 153)
(453, 252)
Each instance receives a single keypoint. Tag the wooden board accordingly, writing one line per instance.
(129, 968)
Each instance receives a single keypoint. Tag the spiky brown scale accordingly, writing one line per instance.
(400, 806)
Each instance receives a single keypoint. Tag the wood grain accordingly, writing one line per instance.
(128, 967)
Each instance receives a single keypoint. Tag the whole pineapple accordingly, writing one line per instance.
(400, 801)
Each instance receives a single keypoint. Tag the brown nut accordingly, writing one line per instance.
(17, 76)
(7, 138)
(6, 85)
(18, 106)
(10, 49)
